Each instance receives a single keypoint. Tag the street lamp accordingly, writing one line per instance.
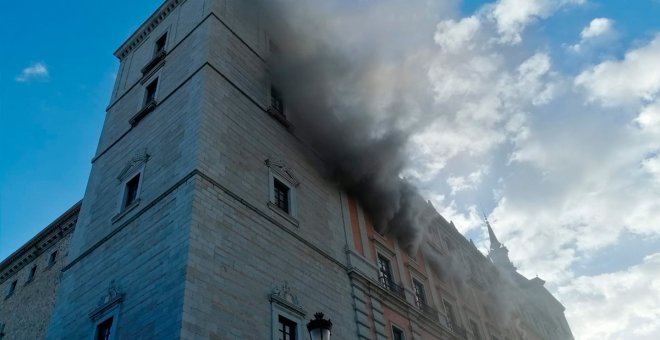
(319, 328)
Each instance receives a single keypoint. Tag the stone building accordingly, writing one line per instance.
(205, 216)
(29, 278)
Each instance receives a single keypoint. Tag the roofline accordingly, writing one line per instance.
(40, 236)
(147, 26)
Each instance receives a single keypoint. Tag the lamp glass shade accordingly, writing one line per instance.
(319, 334)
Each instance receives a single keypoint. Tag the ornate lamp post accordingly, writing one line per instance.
(319, 328)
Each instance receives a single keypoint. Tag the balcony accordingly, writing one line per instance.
(160, 56)
(428, 310)
(394, 288)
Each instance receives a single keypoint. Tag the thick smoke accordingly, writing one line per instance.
(354, 77)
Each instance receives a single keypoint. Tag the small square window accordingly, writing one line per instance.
(33, 271)
(131, 190)
(12, 288)
(103, 330)
(287, 329)
(150, 92)
(52, 259)
(281, 192)
(397, 333)
(160, 44)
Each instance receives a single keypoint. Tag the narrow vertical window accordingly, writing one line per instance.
(420, 296)
(52, 259)
(160, 44)
(276, 102)
(131, 191)
(397, 334)
(475, 330)
(33, 271)
(281, 192)
(287, 329)
(103, 330)
(12, 288)
(150, 92)
(450, 313)
(384, 271)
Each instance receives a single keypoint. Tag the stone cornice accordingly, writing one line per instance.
(141, 33)
(49, 236)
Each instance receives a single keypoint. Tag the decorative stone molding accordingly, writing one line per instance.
(141, 157)
(143, 32)
(285, 296)
(279, 167)
(113, 297)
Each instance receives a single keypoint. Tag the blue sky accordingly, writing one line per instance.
(556, 135)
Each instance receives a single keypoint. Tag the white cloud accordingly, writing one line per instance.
(512, 16)
(454, 35)
(599, 31)
(36, 71)
(597, 27)
(460, 183)
(635, 78)
(619, 305)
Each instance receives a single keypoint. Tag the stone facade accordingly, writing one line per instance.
(34, 271)
(182, 236)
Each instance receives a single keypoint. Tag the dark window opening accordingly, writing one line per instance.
(160, 43)
(131, 190)
(33, 271)
(287, 329)
(384, 271)
(103, 330)
(397, 334)
(12, 288)
(150, 94)
(475, 330)
(281, 192)
(276, 102)
(52, 259)
(450, 313)
(420, 296)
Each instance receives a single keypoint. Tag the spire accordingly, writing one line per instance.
(494, 243)
(498, 252)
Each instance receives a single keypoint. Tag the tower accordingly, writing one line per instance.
(202, 218)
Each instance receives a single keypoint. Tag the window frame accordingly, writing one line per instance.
(52, 259)
(157, 50)
(123, 207)
(289, 312)
(424, 301)
(394, 328)
(11, 289)
(31, 274)
(292, 184)
(154, 99)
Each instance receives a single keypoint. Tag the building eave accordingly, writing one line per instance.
(143, 31)
(11, 264)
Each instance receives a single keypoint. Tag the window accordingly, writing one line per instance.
(160, 44)
(52, 259)
(475, 330)
(103, 330)
(150, 92)
(449, 309)
(276, 102)
(131, 191)
(31, 275)
(384, 271)
(287, 329)
(281, 193)
(12, 288)
(420, 296)
(397, 333)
